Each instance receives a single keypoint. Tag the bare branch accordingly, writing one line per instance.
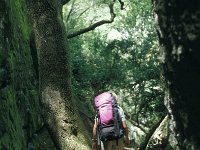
(71, 10)
(122, 4)
(136, 124)
(84, 12)
(95, 25)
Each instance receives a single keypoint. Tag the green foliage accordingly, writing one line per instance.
(124, 57)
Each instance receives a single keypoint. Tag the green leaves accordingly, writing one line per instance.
(124, 57)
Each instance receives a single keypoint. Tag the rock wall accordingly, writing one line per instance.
(21, 125)
(159, 139)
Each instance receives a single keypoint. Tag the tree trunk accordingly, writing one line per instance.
(179, 36)
(54, 75)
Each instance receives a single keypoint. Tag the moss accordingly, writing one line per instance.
(12, 122)
(19, 100)
(19, 20)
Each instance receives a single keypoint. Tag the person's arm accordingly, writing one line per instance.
(94, 136)
(127, 142)
(122, 115)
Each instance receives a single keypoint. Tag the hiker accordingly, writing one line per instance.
(102, 139)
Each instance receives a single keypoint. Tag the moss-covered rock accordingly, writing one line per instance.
(21, 125)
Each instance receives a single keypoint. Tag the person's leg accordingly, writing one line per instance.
(120, 145)
(107, 145)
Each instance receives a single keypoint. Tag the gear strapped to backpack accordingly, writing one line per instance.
(109, 121)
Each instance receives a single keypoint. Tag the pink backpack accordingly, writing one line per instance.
(109, 120)
(103, 104)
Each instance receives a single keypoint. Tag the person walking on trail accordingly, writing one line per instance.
(110, 131)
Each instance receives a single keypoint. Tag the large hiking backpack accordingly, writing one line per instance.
(109, 121)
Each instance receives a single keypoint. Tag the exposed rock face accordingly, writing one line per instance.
(159, 140)
(21, 125)
(179, 37)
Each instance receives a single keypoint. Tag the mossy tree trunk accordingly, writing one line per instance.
(179, 35)
(54, 75)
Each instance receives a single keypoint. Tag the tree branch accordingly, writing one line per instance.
(122, 4)
(136, 124)
(84, 12)
(95, 25)
(71, 10)
(63, 2)
(150, 133)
